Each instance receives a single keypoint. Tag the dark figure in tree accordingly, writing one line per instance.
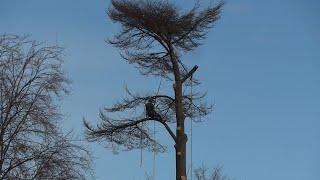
(151, 112)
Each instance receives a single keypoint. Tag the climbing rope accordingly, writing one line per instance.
(154, 145)
(154, 136)
(154, 153)
(191, 124)
(141, 150)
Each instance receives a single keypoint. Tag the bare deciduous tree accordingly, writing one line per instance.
(31, 144)
(201, 173)
(154, 35)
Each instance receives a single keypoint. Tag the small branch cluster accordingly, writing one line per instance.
(201, 173)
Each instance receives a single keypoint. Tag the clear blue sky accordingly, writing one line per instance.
(260, 63)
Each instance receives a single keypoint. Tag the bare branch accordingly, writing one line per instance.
(201, 173)
(131, 134)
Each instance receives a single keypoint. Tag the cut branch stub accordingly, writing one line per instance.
(190, 73)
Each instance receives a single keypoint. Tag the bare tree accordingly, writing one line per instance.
(201, 173)
(31, 144)
(154, 35)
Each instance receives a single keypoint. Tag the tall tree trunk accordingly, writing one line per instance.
(180, 145)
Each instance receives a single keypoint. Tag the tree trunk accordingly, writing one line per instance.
(181, 140)
(180, 145)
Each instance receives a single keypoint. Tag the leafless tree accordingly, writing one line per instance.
(202, 173)
(154, 35)
(31, 144)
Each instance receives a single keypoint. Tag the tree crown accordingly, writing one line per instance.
(162, 27)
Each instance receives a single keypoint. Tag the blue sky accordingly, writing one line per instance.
(260, 64)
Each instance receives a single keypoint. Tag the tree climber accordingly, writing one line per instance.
(151, 112)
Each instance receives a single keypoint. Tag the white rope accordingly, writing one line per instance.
(154, 136)
(141, 150)
(154, 153)
(191, 124)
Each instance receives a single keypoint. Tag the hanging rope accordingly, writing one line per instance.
(154, 136)
(191, 124)
(154, 153)
(154, 146)
(141, 152)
